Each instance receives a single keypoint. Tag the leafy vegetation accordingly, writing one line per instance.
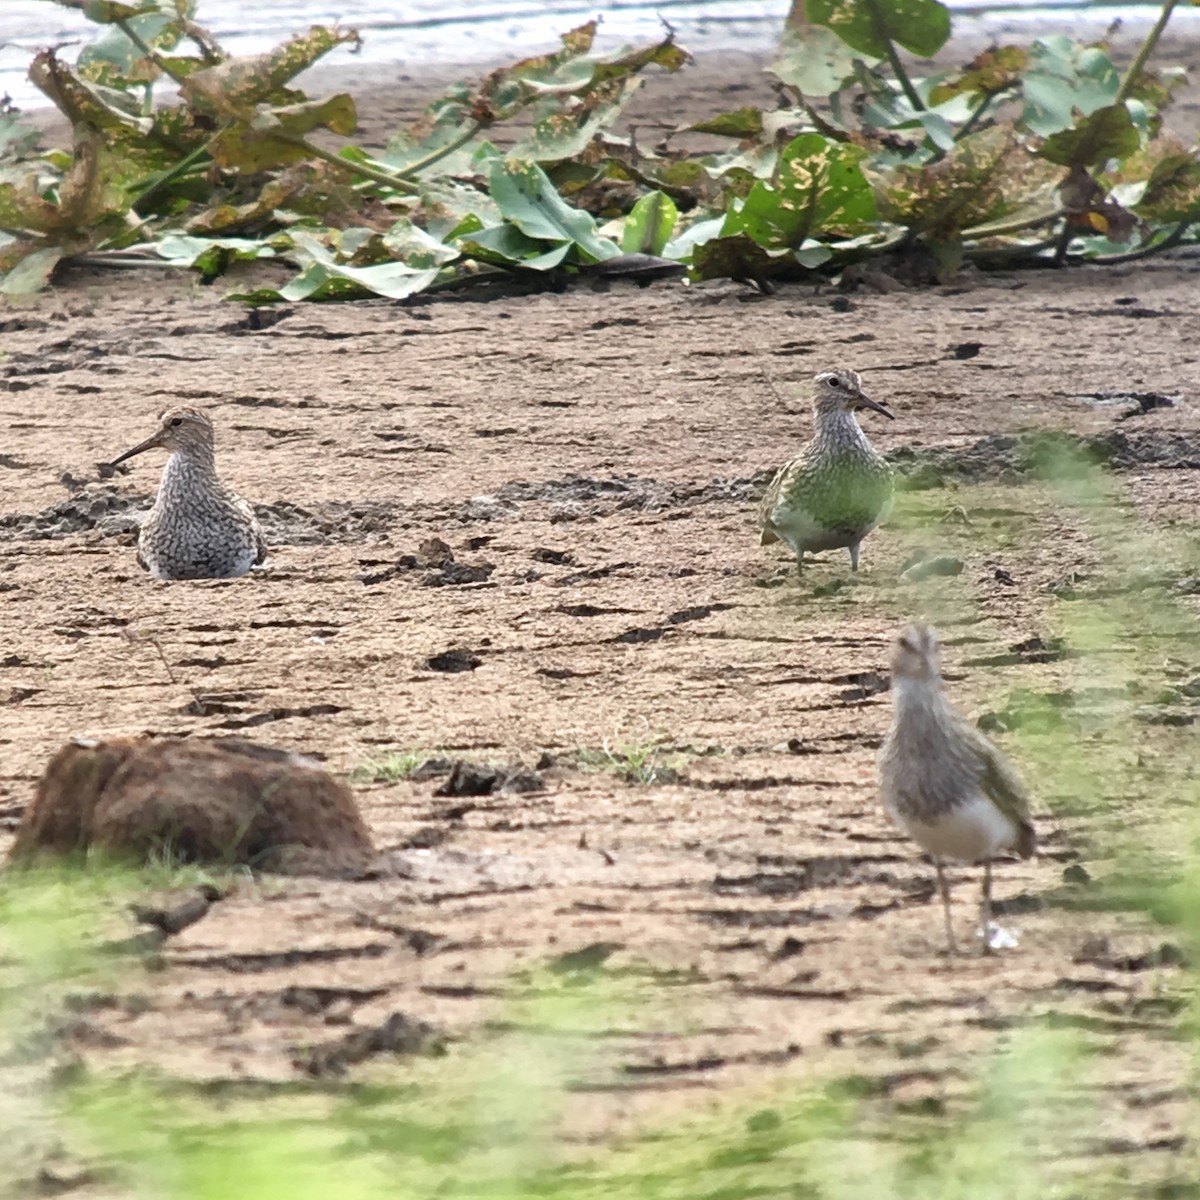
(1024, 156)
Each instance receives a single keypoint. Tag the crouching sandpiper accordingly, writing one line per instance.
(943, 782)
(839, 487)
(199, 528)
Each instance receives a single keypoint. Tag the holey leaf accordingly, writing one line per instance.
(1172, 191)
(273, 136)
(985, 176)
(115, 59)
(237, 85)
(922, 26)
(820, 187)
(570, 124)
(993, 71)
(1107, 133)
(526, 197)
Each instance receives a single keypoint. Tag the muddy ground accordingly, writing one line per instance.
(591, 459)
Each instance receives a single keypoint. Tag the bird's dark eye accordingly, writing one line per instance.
(176, 421)
(905, 644)
(835, 382)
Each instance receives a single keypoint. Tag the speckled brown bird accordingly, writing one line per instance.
(199, 528)
(839, 487)
(942, 781)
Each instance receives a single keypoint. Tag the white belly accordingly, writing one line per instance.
(969, 832)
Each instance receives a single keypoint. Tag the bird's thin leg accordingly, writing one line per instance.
(854, 555)
(944, 888)
(799, 562)
(985, 906)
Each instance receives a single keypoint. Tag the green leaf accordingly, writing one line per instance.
(1107, 133)
(237, 86)
(335, 281)
(268, 138)
(203, 253)
(1064, 77)
(922, 26)
(109, 12)
(446, 207)
(736, 257)
(813, 254)
(527, 198)
(411, 245)
(117, 60)
(569, 127)
(984, 177)
(1172, 191)
(820, 186)
(741, 123)
(18, 140)
(506, 245)
(815, 60)
(107, 109)
(682, 247)
(988, 74)
(32, 273)
(649, 225)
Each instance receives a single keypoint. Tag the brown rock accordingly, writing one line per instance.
(217, 800)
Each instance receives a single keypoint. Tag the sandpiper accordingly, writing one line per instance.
(942, 781)
(838, 488)
(198, 528)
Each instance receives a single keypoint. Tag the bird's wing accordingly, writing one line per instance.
(1005, 788)
(766, 506)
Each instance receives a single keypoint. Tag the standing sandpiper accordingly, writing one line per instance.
(942, 781)
(838, 488)
(198, 528)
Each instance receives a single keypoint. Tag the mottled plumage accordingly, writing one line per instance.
(838, 488)
(198, 528)
(941, 780)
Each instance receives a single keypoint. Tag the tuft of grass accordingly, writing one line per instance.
(393, 767)
(640, 762)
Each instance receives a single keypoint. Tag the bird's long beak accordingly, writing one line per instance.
(863, 402)
(155, 439)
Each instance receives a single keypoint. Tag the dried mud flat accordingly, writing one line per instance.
(591, 460)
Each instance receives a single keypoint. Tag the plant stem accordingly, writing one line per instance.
(459, 139)
(388, 180)
(902, 77)
(976, 116)
(180, 168)
(1136, 67)
(986, 231)
(893, 57)
(1172, 239)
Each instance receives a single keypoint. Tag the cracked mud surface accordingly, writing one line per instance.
(591, 462)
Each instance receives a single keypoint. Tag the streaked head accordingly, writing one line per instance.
(183, 430)
(916, 654)
(841, 391)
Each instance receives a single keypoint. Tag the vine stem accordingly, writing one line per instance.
(976, 115)
(1139, 62)
(460, 139)
(986, 231)
(1172, 239)
(902, 78)
(389, 180)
